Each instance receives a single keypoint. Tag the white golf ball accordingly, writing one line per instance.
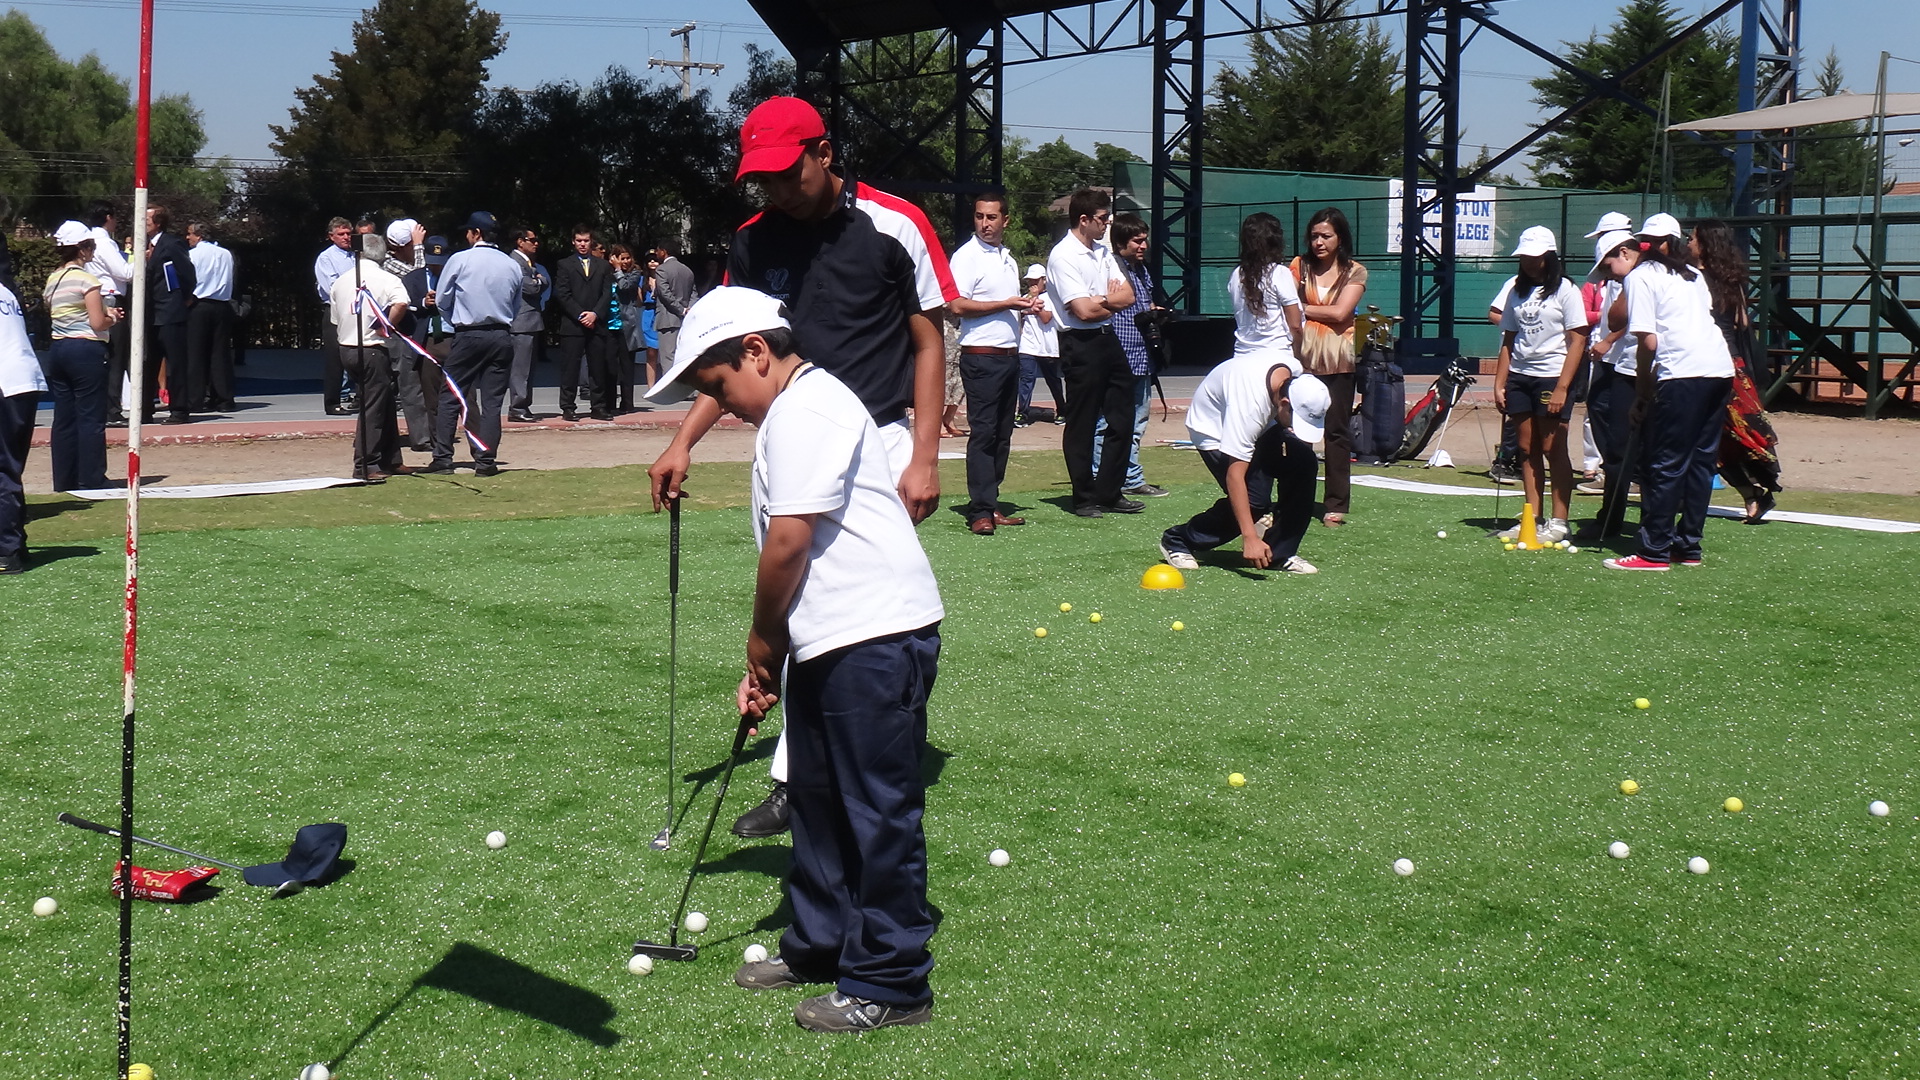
(1619, 850)
(1698, 865)
(641, 964)
(999, 857)
(755, 954)
(1876, 808)
(316, 1071)
(1573, 549)
(496, 839)
(696, 923)
(1403, 867)
(1442, 534)
(47, 905)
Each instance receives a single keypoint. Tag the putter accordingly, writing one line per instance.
(673, 950)
(287, 888)
(663, 839)
(1613, 504)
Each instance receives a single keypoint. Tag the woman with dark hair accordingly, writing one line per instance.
(1543, 339)
(629, 284)
(1266, 303)
(1685, 377)
(76, 363)
(1748, 461)
(1331, 285)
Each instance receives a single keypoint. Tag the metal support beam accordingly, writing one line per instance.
(1431, 158)
(1179, 78)
(1769, 75)
(978, 165)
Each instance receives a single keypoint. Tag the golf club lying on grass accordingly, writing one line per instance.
(315, 851)
(673, 950)
(664, 838)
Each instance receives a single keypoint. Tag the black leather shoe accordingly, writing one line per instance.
(600, 414)
(770, 818)
(1125, 506)
(1088, 512)
(13, 564)
(523, 418)
(486, 468)
(570, 417)
(439, 467)
(177, 418)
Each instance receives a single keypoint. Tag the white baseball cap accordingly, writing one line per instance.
(70, 233)
(1662, 225)
(1605, 244)
(1613, 221)
(1310, 404)
(1035, 271)
(401, 231)
(723, 314)
(1536, 241)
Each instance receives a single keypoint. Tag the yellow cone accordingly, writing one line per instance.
(1529, 537)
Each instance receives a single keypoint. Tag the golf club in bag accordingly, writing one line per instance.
(664, 838)
(1430, 414)
(312, 857)
(673, 950)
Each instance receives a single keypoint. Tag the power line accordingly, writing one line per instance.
(305, 11)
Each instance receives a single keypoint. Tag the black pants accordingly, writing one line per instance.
(993, 388)
(1099, 385)
(1338, 497)
(856, 731)
(1280, 478)
(479, 364)
(414, 404)
(376, 430)
(17, 414)
(210, 355)
(76, 371)
(167, 342)
(1682, 436)
(119, 347)
(598, 347)
(330, 368)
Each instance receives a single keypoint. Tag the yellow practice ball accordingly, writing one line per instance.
(1064, 608)
(1236, 780)
(1162, 576)
(1642, 703)
(1629, 787)
(1509, 547)
(1734, 805)
(137, 1071)
(1039, 631)
(1095, 617)
(1178, 625)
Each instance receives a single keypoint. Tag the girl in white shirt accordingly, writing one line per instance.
(1543, 340)
(1266, 302)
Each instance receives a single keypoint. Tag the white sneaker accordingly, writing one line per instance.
(1554, 531)
(1298, 565)
(1261, 526)
(1179, 560)
(1508, 534)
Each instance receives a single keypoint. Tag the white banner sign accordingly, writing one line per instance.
(1473, 221)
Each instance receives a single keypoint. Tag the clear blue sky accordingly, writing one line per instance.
(241, 61)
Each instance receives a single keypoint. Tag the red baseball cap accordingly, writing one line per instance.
(774, 133)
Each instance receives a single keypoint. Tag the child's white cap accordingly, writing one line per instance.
(1536, 241)
(725, 313)
(1604, 247)
(1035, 271)
(1662, 225)
(1310, 404)
(1612, 221)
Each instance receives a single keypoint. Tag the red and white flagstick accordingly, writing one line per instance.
(137, 342)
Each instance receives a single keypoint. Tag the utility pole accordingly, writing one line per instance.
(685, 64)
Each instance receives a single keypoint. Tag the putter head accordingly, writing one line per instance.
(662, 840)
(658, 951)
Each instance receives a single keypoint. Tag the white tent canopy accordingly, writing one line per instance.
(1838, 108)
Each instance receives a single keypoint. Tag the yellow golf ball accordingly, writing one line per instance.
(1236, 780)
(1629, 787)
(1095, 617)
(1066, 608)
(1642, 703)
(1178, 625)
(137, 1071)
(1039, 631)
(1734, 805)
(1509, 547)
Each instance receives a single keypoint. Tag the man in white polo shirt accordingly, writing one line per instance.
(1087, 289)
(990, 305)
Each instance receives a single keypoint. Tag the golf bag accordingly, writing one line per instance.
(1380, 423)
(1427, 414)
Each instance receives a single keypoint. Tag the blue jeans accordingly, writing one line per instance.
(76, 370)
(1142, 410)
(1033, 368)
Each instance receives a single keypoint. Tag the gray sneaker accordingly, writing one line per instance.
(1149, 491)
(769, 974)
(838, 1012)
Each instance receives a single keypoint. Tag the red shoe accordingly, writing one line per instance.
(1633, 562)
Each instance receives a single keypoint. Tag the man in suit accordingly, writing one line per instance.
(529, 326)
(583, 291)
(673, 294)
(170, 283)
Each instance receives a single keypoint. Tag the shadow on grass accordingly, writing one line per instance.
(494, 980)
(41, 556)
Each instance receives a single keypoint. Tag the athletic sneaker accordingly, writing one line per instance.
(1266, 522)
(769, 974)
(1508, 534)
(1554, 531)
(1688, 560)
(770, 818)
(1503, 474)
(1298, 565)
(1633, 562)
(1179, 560)
(838, 1012)
(1597, 485)
(1150, 491)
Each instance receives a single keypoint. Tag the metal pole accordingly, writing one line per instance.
(1877, 243)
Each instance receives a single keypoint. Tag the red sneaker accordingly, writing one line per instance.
(1633, 562)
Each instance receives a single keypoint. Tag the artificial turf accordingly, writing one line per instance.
(1439, 700)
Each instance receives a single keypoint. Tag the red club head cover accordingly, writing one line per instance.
(161, 885)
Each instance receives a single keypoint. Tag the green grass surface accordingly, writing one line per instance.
(1444, 701)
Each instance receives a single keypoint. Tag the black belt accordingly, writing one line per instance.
(1103, 328)
(479, 326)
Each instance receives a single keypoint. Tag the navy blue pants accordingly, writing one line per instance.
(1280, 478)
(856, 731)
(17, 414)
(76, 370)
(992, 384)
(1682, 436)
(479, 363)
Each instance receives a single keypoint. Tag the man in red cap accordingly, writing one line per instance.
(865, 281)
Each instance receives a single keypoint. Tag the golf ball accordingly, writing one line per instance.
(138, 1071)
(1734, 805)
(45, 906)
(1403, 867)
(1442, 534)
(1563, 545)
(1509, 547)
(755, 954)
(1642, 703)
(1619, 850)
(1039, 631)
(641, 964)
(1236, 780)
(496, 839)
(1629, 787)
(1572, 549)
(998, 857)
(316, 1071)
(1095, 617)
(1698, 865)
(1064, 608)
(1178, 625)
(696, 922)
(1876, 808)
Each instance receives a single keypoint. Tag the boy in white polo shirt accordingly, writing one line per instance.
(846, 604)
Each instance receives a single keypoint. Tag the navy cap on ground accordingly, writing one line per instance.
(315, 852)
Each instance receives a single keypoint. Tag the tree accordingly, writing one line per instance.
(1829, 162)
(387, 129)
(768, 75)
(1036, 176)
(1612, 146)
(1325, 98)
(67, 131)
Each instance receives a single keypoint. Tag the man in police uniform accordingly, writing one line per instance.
(480, 293)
